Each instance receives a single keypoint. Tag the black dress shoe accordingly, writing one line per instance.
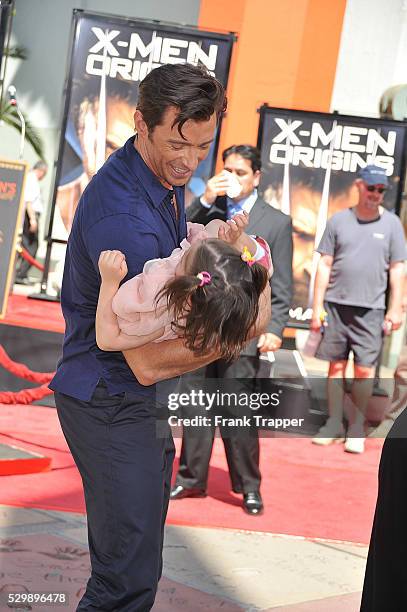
(253, 503)
(179, 492)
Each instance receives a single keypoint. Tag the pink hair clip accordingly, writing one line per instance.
(247, 257)
(205, 278)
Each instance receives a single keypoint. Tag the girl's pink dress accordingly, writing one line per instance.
(134, 303)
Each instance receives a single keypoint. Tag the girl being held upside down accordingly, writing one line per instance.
(209, 291)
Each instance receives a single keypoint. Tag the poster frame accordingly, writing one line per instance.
(17, 227)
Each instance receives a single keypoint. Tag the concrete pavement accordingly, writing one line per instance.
(204, 569)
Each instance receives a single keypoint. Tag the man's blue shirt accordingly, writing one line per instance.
(122, 208)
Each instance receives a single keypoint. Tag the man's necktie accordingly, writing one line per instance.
(234, 210)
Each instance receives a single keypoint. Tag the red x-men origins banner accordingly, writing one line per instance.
(109, 57)
(309, 164)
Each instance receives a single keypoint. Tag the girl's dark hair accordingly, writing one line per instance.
(219, 315)
(191, 89)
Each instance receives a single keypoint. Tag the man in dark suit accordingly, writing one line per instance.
(242, 451)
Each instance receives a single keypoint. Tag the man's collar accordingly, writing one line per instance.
(246, 203)
(155, 190)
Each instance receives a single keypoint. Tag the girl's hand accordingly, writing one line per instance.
(237, 226)
(112, 266)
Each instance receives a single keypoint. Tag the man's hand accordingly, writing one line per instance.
(112, 266)
(395, 317)
(269, 342)
(318, 316)
(315, 324)
(216, 186)
(33, 225)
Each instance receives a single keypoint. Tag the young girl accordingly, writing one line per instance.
(207, 291)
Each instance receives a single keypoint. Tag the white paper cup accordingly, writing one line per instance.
(234, 187)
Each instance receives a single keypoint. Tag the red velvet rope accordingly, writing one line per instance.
(20, 370)
(26, 255)
(25, 396)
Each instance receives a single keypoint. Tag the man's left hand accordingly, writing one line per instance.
(33, 225)
(269, 342)
(395, 317)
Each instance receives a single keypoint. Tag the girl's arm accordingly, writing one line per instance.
(233, 232)
(264, 316)
(109, 337)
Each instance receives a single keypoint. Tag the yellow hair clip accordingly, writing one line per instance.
(247, 256)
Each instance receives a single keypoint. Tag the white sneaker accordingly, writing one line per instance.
(355, 440)
(333, 431)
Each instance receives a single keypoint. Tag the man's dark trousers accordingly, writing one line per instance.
(241, 447)
(126, 472)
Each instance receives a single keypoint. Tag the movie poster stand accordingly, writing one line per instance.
(108, 57)
(12, 181)
(309, 164)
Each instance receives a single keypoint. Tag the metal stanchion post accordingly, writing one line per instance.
(43, 295)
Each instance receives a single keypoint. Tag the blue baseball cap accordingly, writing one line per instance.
(374, 175)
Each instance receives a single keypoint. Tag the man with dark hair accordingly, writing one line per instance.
(106, 401)
(33, 209)
(232, 190)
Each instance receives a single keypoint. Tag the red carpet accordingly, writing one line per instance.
(308, 490)
(37, 314)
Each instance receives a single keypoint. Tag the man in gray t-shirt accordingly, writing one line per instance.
(362, 250)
